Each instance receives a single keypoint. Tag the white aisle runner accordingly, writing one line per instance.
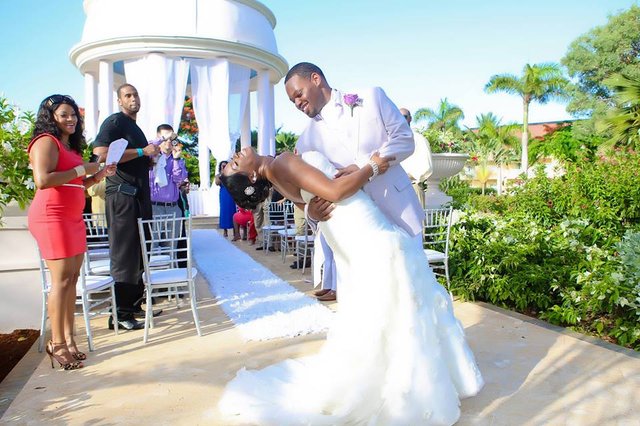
(261, 305)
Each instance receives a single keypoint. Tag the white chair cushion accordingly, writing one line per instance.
(94, 283)
(100, 266)
(289, 232)
(169, 276)
(158, 260)
(272, 227)
(434, 255)
(98, 253)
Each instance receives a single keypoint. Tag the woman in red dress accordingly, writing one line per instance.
(55, 215)
(243, 218)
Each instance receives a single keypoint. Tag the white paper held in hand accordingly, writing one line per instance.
(116, 149)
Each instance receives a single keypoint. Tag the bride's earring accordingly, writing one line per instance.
(254, 177)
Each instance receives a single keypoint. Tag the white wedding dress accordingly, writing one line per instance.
(395, 354)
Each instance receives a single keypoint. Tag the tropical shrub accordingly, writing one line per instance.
(16, 179)
(564, 144)
(565, 249)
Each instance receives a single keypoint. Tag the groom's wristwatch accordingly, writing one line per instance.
(374, 166)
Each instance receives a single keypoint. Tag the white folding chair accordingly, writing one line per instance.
(98, 243)
(304, 247)
(92, 291)
(161, 229)
(172, 281)
(287, 236)
(97, 235)
(275, 222)
(435, 238)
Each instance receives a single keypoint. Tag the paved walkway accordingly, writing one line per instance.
(536, 374)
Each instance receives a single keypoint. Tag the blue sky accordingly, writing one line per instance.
(418, 51)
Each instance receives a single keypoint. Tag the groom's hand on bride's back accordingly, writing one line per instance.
(319, 209)
(346, 170)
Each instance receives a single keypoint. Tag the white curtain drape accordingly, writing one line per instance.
(238, 99)
(220, 91)
(204, 72)
(161, 82)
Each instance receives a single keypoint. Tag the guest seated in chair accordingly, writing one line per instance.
(243, 220)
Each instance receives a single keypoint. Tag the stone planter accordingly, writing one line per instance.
(20, 289)
(444, 165)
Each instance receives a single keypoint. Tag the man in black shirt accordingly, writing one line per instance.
(127, 199)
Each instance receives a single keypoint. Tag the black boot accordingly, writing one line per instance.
(141, 313)
(127, 322)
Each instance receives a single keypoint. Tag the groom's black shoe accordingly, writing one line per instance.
(127, 322)
(141, 313)
(298, 264)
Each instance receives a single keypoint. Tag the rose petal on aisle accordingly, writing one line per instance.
(261, 305)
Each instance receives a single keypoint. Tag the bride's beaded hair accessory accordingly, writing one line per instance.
(249, 190)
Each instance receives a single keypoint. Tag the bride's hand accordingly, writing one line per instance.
(346, 170)
(382, 162)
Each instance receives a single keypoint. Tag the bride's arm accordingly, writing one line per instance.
(307, 177)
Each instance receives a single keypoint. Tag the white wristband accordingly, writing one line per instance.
(80, 171)
(374, 166)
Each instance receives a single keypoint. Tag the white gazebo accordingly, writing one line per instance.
(218, 51)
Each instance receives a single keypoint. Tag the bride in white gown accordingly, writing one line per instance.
(398, 355)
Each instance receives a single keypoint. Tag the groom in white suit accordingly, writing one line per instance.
(348, 128)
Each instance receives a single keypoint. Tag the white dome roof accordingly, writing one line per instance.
(239, 30)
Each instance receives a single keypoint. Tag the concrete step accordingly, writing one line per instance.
(204, 222)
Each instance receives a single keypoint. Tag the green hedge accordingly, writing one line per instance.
(565, 249)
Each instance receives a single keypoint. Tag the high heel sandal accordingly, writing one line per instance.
(66, 366)
(76, 354)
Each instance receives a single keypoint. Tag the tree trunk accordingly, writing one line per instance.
(524, 161)
(499, 179)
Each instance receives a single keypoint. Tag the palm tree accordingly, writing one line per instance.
(540, 83)
(492, 142)
(623, 121)
(445, 118)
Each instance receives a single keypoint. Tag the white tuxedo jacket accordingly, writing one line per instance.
(376, 125)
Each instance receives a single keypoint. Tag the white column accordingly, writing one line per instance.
(90, 106)
(266, 118)
(245, 129)
(105, 91)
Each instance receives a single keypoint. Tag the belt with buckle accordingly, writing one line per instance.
(160, 203)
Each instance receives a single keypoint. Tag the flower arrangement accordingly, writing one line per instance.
(352, 100)
(444, 141)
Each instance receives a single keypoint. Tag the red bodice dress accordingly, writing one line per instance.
(55, 215)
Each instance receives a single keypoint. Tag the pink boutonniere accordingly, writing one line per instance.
(352, 100)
